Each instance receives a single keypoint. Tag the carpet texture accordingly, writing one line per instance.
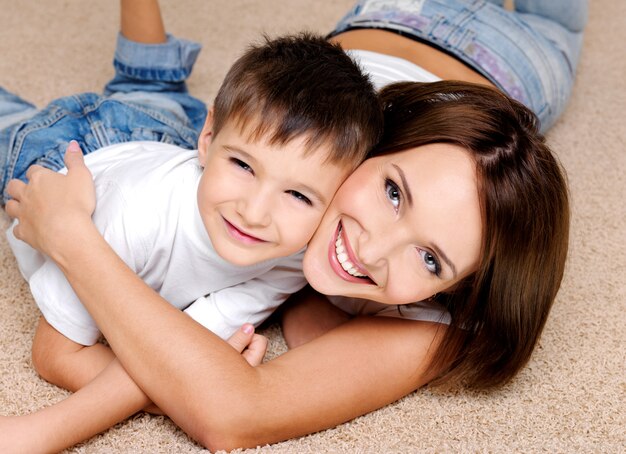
(570, 397)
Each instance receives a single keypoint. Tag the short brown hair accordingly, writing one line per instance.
(302, 85)
(499, 311)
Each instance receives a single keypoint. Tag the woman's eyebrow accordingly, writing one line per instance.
(445, 258)
(409, 197)
(405, 185)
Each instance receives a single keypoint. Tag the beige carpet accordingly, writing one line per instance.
(570, 398)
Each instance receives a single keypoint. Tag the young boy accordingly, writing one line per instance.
(223, 227)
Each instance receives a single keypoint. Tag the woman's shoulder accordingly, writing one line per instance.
(428, 311)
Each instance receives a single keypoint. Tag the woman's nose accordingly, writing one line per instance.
(374, 249)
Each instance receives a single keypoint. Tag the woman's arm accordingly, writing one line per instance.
(206, 387)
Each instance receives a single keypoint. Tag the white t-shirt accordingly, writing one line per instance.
(384, 69)
(426, 311)
(147, 211)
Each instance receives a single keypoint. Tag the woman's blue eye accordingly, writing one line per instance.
(393, 193)
(430, 262)
(301, 197)
(242, 164)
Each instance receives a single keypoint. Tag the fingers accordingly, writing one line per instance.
(251, 346)
(15, 189)
(75, 163)
(12, 207)
(33, 170)
(74, 156)
(242, 338)
(255, 352)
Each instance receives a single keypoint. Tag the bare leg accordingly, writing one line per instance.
(571, 14)
(141, 21)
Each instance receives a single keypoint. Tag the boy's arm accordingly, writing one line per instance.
(109, 398)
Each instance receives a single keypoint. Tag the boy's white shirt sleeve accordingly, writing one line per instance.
(224, 311)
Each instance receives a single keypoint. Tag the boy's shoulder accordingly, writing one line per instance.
(137, 157)
(143, 177)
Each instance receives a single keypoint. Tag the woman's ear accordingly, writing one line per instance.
(206, 138)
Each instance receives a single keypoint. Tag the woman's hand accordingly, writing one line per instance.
(52, 206)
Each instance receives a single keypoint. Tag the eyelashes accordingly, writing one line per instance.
(395, 198)
(393, 193)
(430, 262)
(243, 165)
(301, 197)
(295, 194)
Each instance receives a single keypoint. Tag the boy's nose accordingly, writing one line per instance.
(256, 211)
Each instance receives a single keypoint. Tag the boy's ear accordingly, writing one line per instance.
(206, 137)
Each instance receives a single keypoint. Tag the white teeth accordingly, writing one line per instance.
(342, 257)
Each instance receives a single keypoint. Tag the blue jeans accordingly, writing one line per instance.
(146, 100)
(530, 53)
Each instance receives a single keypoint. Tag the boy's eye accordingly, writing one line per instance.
(393, 193)
(301, 197)
(430, 262)
(242, 164)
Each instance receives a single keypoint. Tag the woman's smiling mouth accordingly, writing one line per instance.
(343, 262)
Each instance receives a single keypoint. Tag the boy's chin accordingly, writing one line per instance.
(249, 257)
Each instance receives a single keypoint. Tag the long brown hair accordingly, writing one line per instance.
(499, 311)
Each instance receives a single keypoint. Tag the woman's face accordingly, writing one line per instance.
(401, 228)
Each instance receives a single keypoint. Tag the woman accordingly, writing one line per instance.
(485, 259)
(530, 53)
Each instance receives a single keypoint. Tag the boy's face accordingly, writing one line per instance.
(260, 201)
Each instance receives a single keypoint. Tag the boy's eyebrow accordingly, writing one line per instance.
(299, 186)
(314, 193)
(240, 151)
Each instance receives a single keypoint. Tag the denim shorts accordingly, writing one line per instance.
(146, 100)
(530, 53)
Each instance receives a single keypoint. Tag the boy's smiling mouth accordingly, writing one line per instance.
(343, 261)
(239, 235)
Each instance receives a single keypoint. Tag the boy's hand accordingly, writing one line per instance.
(51, 204)
(252, 346)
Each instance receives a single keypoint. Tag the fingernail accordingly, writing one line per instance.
(247, 328)
(73, 146)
